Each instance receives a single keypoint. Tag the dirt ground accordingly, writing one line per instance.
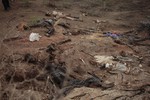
(64, 65)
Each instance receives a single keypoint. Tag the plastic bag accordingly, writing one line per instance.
(34, 37)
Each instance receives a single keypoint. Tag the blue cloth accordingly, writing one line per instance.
(112, 35)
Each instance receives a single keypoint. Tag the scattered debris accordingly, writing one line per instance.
(34, 37)
(64, 25)
(42, 23)
(120, 67)
(124, 59)
(108, 65)
(30, 58)
(65, 65)
(93, 82)
(110, 62)
(51, 48)
(55, 13)
(47, 23)
(22, 26)
(12, 39)
(97, 21)
(50, 32)
(112, 35)
(73, 18)
(64, 41)
(65, 16)
(48, 14)
(79, 32)
(104, 59)
(57, 73)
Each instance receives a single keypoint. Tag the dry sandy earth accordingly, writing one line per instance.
(20, 80)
